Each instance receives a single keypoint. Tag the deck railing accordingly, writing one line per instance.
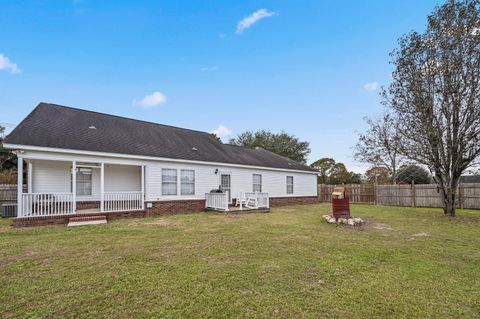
(122, 201)
(46, 204)
(257, 200)
(218, 201)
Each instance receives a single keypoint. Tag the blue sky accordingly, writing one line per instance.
(311, 68)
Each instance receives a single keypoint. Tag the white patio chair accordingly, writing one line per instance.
(241, 199)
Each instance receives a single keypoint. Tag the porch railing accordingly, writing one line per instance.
(46, 204)
(122, 201)
(257, 200)
(217, 201)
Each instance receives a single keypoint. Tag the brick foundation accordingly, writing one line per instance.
(175, 207)
(88, 205)
(158, 208)
(297, 200)
(63, 220)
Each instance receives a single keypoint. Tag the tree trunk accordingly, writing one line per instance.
(449, 197)
(394, 176)
(449, 209)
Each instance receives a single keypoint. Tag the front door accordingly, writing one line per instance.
(225, 182)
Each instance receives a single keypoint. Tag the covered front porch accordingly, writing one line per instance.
(78, 187)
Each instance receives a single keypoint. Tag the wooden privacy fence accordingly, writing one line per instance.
(421, 195)
(8, 192)
(8, 199)
(357, 193)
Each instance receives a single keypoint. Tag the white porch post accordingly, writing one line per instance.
(74, 186)
(29, 177)
(241, 200)
(19, 186)
(143, 186)
(102, 186)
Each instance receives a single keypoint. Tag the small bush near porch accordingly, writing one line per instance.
(403, 263)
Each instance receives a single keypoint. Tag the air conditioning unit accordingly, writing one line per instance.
(8, 210)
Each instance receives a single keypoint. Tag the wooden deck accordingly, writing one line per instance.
(237, 210)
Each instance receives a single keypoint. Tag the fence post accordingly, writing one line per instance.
(413, 194)
(398, 194)
(461, 194)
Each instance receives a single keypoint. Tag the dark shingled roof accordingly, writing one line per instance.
(51, 125)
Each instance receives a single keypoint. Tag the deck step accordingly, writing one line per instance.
(87, 220)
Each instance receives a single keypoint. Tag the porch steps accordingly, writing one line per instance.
(87, 220)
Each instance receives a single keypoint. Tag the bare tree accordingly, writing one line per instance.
(435, 94)
(379, 145)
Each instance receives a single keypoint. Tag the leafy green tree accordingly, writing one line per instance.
(341, 175)
(280, 143)
(415, 174)
(215, 137)
(8, 160)
(355, 178)
(378, 175)
(331, 172)
(324, 166)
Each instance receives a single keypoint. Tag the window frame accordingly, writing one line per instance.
(80, 181)
(256, 184)
(290, 185)
(170, 182)
(187, 183)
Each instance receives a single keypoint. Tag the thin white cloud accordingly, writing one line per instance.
(253, 18)
(222, 132)
(9, 66)
(151, 100)
(371, 86)
(208, 69)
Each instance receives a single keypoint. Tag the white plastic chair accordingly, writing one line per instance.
(241, 199)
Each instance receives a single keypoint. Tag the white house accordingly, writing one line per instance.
(80, 162)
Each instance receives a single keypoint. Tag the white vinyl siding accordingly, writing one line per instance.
(289, 185)
(122, 178)
(169, 181)
(257, 183)
(273, 182)
(187, 182)
(51, 177)
(54, 176)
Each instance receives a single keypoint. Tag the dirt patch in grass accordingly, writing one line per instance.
(469, 219)
(154, 222)
(419, 235)
(380, 226)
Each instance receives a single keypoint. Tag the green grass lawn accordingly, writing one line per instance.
(402, 263)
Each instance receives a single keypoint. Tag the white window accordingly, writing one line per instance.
(169, 181)
(257, 183)
(187, 182)
(289, 184)
(84, 181)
